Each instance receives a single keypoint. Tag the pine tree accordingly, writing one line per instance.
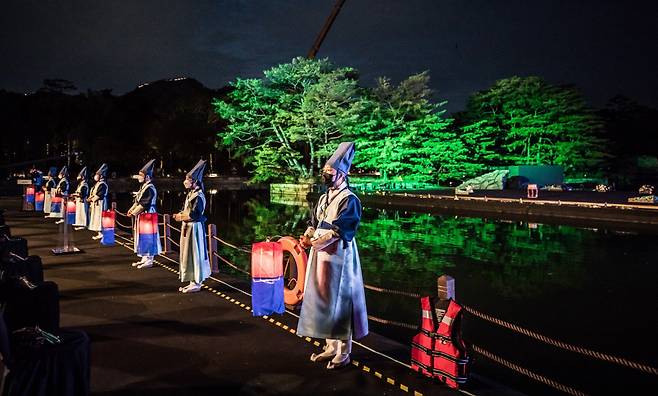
(406, 135)
(528, 121)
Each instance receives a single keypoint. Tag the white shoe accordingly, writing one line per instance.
(147, 264)
(59, 221)
(96, 237)
(339, 361)
(328, 354)
(142, 261)
(191, 289)
(78, 228)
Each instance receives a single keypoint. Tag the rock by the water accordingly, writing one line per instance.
(489, 181)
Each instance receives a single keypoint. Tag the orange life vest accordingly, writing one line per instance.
(438, 350)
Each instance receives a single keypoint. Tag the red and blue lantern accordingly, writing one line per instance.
(56, 205)
(29, 194)
(148, 235)
(107, 227)
(70, 211)
(267, 278)
(38, 201)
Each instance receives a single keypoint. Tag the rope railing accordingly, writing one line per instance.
(391, 291)
(522, 370)
(231, 245)
(174, 228)
(174, 242)
(231, 264)
(392, 322)
(123, 225)
(563, 345)
(121, 213)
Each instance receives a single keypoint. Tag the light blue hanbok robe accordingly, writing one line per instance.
(81, 204)
(99, 204)
(194, 260)
(334, 304)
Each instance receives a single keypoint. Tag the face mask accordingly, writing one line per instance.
(97, 177)
(140, 179)
(328, 179)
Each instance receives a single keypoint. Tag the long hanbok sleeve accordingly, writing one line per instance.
(101, 191)
(196, 210)
(146, 198)
(84, 191)
(347, 222)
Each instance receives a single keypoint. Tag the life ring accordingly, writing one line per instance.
(294, 295)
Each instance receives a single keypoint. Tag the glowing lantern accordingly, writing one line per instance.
(29, 194)
(38, 201)
(266, 260)
(148, 234)
(107, 226)
(267, 278)
(70, 211)
(148, 223)
(56, 205)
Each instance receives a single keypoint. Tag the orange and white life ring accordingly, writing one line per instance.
(293, 296)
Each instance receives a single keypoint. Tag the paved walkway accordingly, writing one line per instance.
(148, 339)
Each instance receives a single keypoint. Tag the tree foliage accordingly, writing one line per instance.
(404, 134)
(528, 121)
(287, 122)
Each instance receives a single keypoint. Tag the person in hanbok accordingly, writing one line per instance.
(194, 260)
(62, 192)
(145, 203)
(49, 190)
(334, 304)
(98, 201)
(37, 177)
(81, 205)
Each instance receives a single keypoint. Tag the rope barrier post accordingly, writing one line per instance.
(114, 206)
(212, 248)
(166, 232)
(445, 285)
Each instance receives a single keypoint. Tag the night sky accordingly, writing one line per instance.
(604, 47)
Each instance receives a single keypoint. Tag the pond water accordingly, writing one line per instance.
(590, 287)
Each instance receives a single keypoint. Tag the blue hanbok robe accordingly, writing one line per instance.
(194, 260)
(334, 304)
(145, 202)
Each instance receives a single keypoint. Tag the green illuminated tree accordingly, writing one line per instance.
(404, 134)
(285, 123)
(528, 121)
